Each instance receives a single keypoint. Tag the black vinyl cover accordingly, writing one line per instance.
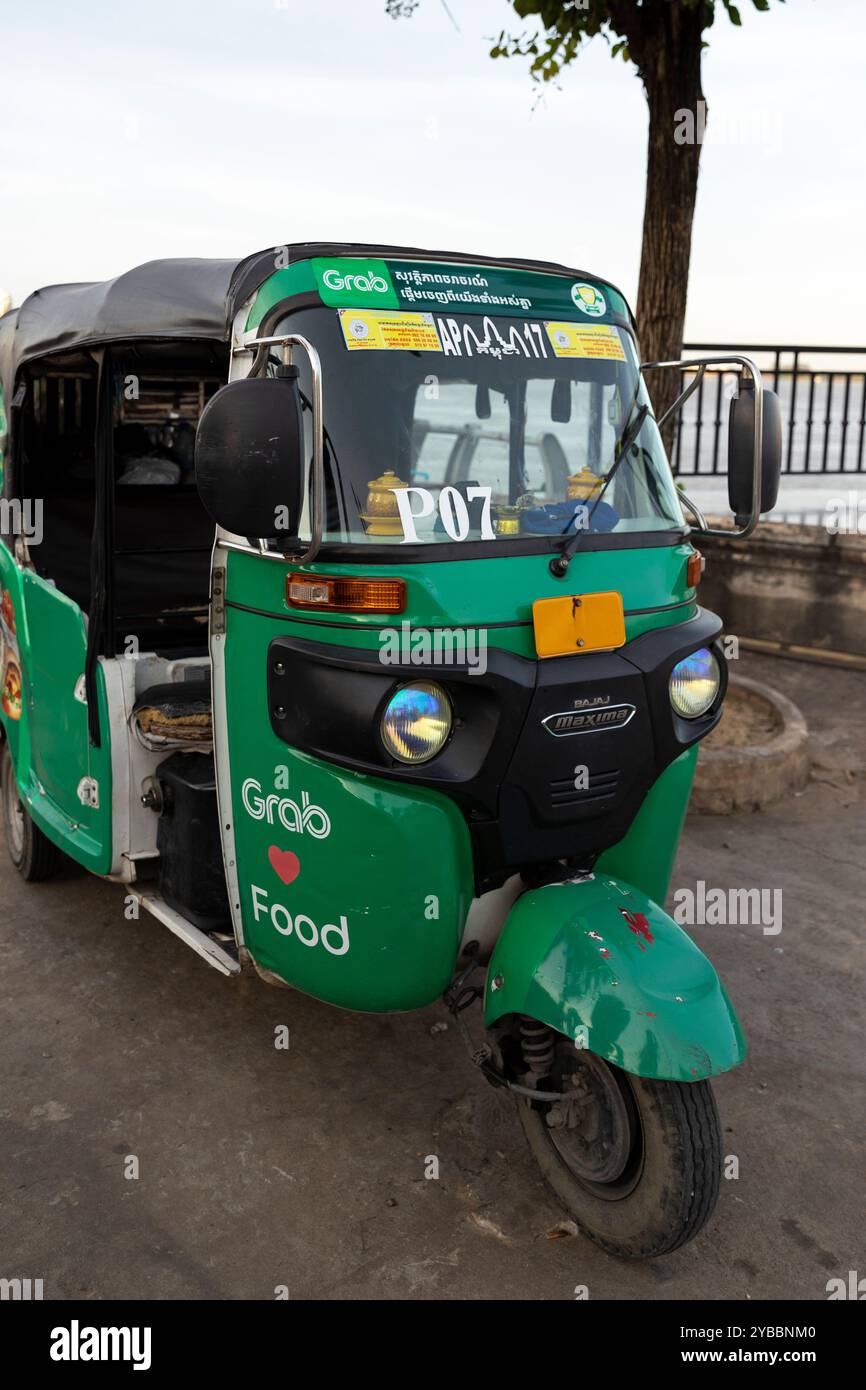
(160, 299)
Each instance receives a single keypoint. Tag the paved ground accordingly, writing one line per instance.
(305, 1168)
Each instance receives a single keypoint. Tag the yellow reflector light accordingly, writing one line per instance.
(338, 594)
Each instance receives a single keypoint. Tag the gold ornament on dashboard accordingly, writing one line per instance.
(583, 485)
(506, 520)
(382, 517)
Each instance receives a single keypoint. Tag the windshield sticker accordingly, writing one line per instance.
(505, 339)
(357, 282)
(366, 328)
(446, 287)
(362, 283)
(453, 507)
(589, 300)
(585, 340)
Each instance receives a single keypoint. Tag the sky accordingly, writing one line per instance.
(219, 127)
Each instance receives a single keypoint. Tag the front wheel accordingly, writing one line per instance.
(33, 854)
(636, 1162)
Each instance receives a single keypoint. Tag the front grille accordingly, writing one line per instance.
(602, 789)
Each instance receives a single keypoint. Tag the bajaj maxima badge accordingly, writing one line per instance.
(585, 721)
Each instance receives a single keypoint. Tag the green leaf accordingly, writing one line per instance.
(733, 12)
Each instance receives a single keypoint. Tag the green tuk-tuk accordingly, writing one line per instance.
(349, 618)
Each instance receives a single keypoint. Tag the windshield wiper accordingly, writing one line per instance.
(559, 564)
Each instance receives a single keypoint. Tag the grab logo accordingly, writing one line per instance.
(283, 810)
(355, 282)
(366, 284)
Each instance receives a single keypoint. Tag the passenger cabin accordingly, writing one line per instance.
(101, 389)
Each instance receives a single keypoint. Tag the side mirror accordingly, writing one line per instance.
(249, 456)
(741, 451)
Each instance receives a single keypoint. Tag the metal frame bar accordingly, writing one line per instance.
(203, 945)
(839, 390)
(699, 366)
(317, 508)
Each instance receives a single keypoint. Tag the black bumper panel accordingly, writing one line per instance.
(547, 759)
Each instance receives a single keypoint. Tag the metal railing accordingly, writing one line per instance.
(823, 409)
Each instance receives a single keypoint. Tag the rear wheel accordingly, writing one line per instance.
(32, 853)
(636, 1162)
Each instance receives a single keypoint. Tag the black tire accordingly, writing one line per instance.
(669, 1182)
(33, 854)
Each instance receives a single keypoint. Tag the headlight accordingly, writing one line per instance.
(695, 683)
(416, 722)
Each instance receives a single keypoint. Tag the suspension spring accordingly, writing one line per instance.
(538, 1043)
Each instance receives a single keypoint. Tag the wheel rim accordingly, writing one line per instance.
(13, 812)
(596, 1131)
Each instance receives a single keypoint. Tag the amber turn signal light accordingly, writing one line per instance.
(695, 567)
(337, 593)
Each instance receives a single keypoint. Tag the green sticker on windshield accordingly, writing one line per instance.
(453, 287)
(588, 300)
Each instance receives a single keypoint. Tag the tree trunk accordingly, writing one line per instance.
(668, 56)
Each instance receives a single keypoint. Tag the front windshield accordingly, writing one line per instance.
(444, 428)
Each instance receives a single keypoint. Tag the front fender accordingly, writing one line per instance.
(599, 961)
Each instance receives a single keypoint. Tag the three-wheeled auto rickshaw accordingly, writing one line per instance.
(349, 618)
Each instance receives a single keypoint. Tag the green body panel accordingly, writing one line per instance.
(495, 595)
(391, 875)
(637, 992)
(57, 649)
(646, 853)
(50, 743)
(283, 284)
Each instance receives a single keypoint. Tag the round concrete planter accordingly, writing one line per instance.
(732, 778)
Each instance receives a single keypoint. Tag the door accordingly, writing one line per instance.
(65, 781)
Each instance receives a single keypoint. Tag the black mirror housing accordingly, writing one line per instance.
(249, 456)
(741, 451)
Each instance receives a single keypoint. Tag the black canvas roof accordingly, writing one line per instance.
(160, 299)
(183, 298)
